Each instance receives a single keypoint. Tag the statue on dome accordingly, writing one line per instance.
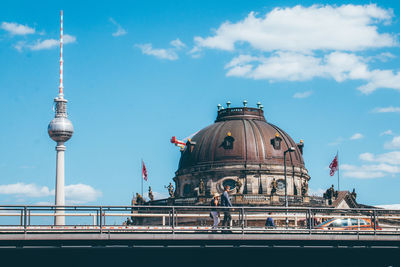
(274, 187)
(238, 186)
(139, 199)
(330, 194)
(354, 194)
(151, 196)
(170, 188)
(304, 188)
(202, 188)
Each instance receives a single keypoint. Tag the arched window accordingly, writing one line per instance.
(229, 182)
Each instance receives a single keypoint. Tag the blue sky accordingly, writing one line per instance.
(137, 73)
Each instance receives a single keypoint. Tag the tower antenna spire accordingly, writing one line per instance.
(61, 88)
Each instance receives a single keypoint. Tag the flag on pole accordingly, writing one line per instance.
(144, 171)
(334, 166)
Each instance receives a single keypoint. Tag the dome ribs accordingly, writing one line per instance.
(250, 143)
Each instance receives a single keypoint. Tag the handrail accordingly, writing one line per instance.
(245, 218)
(196, 207)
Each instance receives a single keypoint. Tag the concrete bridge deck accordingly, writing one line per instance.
(201, 238)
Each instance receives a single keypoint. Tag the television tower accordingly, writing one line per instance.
(60, 130)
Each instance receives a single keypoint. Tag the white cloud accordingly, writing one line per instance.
(160, 195)
(292, 66)
(318, 27)
(177, 43)
(386, 110)
(44, 44)
(369, 171)
(69, 39)
(384, 56)
(387, 132)
(148, 49)
(394, 144)
(44, 203)
(389, 206)
(361, 172)
(80, 194)
(336, 142)
(74, 194)
(389, 158)
(22, 189)
(367, 157)
(17, 29)
(20, 45)
(302, 43)
(120, 31)
(318, 192)
(356, 136)
(302, 94)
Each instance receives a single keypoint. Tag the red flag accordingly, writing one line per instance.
(334, 166)
(144, 171)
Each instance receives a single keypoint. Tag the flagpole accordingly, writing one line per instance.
(338, 170)
(142, 177)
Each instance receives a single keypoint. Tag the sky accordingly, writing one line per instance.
(137, 73)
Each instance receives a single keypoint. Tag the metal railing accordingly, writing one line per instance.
(175, 219)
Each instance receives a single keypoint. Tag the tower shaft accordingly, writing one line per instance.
(60, 182)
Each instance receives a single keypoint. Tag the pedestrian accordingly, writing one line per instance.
(226, 202)
(270, 221)
(214, 212)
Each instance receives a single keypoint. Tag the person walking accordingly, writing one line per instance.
(214, 213)
(226, 202)
(270, 222)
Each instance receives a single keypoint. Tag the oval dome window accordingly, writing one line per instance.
(229, 182)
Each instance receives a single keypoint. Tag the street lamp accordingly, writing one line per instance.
(290, 149)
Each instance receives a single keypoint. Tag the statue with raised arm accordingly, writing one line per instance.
(170, 188)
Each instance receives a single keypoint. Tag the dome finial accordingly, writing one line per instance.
(258, 104)
(219, 107)
(228, 104)
(261, 107)
(245, 103)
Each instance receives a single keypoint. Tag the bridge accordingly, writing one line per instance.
(174, 230)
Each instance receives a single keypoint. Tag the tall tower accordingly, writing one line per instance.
(60, 130)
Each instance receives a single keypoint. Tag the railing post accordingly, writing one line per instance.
(374, 214)
(25, 218)
(101, 220)
(173, 220)
(242, 211)
(309, 220)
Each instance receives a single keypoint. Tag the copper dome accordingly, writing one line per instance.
(239, 136)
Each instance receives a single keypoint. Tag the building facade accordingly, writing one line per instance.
(255, 158)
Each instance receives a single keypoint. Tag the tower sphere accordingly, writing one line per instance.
(60, 129)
